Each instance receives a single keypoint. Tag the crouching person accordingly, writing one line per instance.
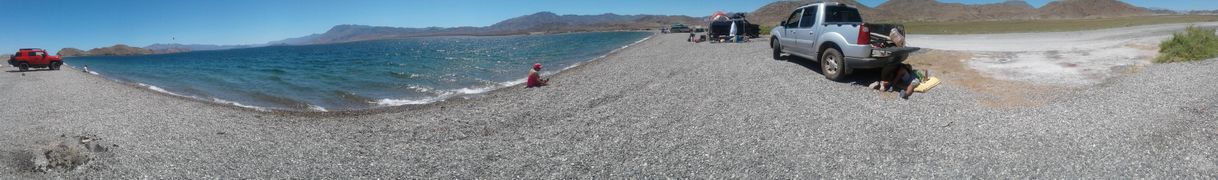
(899, 77)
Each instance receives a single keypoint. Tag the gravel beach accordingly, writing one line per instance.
(660, 108)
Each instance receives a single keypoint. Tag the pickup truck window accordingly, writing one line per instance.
(809, 18)
(793, 20)
(30, 54)
(842, 14)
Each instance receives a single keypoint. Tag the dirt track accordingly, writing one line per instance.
(1070, 59)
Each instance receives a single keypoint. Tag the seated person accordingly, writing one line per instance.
(534, 79)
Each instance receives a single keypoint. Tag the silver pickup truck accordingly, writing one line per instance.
(834, 34)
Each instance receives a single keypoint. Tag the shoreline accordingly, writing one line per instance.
(662, 108)
(438, 101)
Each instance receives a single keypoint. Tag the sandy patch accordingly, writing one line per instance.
(953, 68)
(1068, 59)
(1073, 68)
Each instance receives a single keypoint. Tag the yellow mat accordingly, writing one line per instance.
(925, 86)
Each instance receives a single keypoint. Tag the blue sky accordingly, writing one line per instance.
(84, 24)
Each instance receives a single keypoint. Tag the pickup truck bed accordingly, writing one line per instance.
(835, 35)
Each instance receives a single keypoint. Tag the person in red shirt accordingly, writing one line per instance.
(534, 79)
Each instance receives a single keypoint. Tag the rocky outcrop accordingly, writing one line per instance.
(118, 50)
(71, 52)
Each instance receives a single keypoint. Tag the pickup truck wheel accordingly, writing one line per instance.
(777, 49)
(54, 65)
(23, 67)
(831, 64)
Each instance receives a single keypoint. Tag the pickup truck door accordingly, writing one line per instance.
(787, 40)
(805, 35)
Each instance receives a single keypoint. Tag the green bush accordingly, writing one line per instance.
(765, 30)
(1194, 44)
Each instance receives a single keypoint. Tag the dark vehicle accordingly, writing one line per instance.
(721, 27)
(28, 58)
(679, 28)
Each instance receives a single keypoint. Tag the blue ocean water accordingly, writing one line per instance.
(357, 75)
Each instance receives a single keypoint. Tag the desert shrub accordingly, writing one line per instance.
(765, 30)
(1193, 44)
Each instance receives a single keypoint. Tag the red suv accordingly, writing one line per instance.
(28, 58)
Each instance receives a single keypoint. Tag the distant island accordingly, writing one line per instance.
(767, 15)
(116, 50)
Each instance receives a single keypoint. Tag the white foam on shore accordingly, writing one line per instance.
(221, 101)
(400, 102)
(513, 82)
(445, 94)
(317, 108)
(157, 89)
(472, 91)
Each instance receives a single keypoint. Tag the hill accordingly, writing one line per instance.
(116, 50)
(349, 33)
(931, 10)
(1203, 12)
(550, 22)
(541, 22)
(775, 12)
(71, 52)
(1068, 9)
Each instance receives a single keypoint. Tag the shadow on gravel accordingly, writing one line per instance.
(20, 160)
(862, 77)
(31, 70)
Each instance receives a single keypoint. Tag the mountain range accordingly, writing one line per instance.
(935, 11)
(767, 15)
(537, 23)
(541, 22)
